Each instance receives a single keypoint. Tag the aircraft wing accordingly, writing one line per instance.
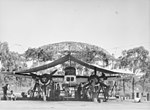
(113, 76)
(17, 75)
(103, 76)
(7, 73)
(58, 76)
(82, 76)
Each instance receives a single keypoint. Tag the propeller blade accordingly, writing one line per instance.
(86, 85)
(103, 76)
(102, 84)
(52, 73)
(33, 75)
(22, 74)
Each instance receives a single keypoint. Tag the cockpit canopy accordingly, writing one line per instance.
(70, 71)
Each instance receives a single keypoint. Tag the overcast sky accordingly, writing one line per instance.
(111, 24)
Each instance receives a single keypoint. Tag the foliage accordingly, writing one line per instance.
(85, 52)
(4, 54)
(135, 59)
(10, 61)
(138, 61)
(38, 54)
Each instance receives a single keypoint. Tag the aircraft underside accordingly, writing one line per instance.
(59, 92)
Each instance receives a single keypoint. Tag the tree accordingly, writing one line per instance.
(38, 54)
(31, 54)
(136, 60)
(4, 55)
(145, 79)
(11, 61)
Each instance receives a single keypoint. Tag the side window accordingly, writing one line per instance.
(68, 79)
(72, 78)
(137, 95)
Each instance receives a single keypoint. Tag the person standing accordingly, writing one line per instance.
(12, 95)
(5, 89)
(57, 92)
(79, 89)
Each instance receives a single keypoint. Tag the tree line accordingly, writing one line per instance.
(136, 60)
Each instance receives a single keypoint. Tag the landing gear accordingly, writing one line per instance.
(97, 89)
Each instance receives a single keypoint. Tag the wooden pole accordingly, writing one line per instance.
(94, 92)
(95, 71)
(123, 89)
(133, 88)
(44, 92)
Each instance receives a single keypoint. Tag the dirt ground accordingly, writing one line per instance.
(73, 105)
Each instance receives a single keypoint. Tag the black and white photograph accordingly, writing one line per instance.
(74, 54)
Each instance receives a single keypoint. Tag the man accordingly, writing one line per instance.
(12, 95)
(57, 92)
(5, 89)
(79, 89)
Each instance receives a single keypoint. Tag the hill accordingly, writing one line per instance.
(74, 48)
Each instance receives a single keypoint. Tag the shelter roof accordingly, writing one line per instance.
(66, 58)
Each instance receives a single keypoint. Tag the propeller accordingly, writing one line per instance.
(87, 84)
(106, 77)
(97, 79)
(103, 76)
(52, 73)
(34, 76)
(46, 77)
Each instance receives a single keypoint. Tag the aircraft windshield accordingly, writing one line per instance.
(70, 71)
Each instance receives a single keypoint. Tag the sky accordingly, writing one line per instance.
(113, 25)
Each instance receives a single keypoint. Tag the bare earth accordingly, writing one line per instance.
(73, 105)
